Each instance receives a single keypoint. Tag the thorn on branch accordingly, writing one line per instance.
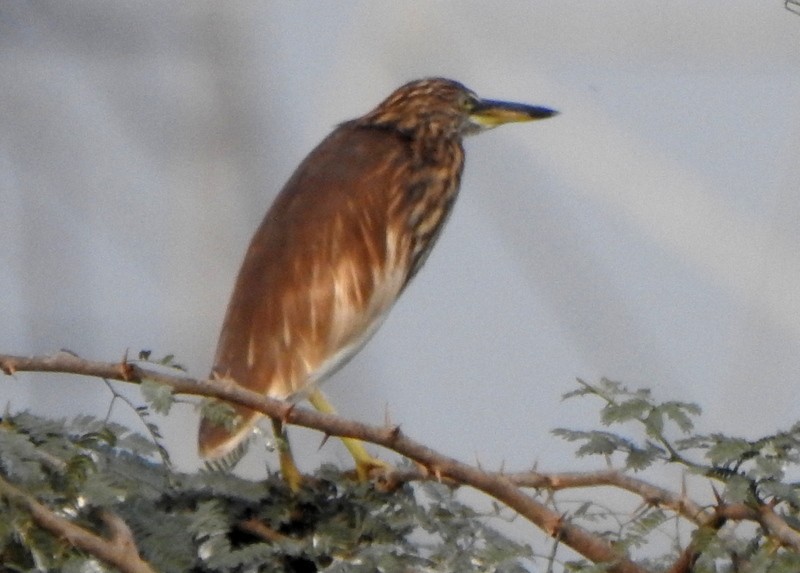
(653, 501)
(556, 528)
(324, 440)
(126, 371)
(387, 417)
(548, 482)
(717, 497)
(430, 470)
(287, 413)
(393, 434)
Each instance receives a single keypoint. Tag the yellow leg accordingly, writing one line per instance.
(289, 469)
(365, 463)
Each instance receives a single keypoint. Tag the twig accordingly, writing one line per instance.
(681, 504)
(650, 493)
(119, 550)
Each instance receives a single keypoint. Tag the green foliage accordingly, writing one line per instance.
(203, 522)
(220, 413)
(215, 522)
(751, 472)
(754, 466)
(756, 554)
(168, 360)
(159, 396)
(654, 421)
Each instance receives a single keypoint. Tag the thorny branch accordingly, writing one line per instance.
(505, 487)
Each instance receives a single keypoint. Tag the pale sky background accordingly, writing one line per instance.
(649, 233)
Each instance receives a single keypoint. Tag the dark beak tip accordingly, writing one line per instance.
(543, 112)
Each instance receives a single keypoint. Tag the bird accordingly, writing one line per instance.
(340, 243)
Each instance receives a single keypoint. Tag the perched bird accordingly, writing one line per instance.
(341, 242)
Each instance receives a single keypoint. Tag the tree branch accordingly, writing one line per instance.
(119, 550)
(506, 488)
(591, 546)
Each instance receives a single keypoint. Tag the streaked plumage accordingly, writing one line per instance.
(349, 230)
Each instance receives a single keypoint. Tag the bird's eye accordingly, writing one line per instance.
(467, 101)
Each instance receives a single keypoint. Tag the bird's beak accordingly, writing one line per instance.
(490, 113)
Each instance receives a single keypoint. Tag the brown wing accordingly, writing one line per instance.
(321, 272)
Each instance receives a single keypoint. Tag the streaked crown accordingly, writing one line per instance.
(434, 104)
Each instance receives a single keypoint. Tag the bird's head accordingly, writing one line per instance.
(446, 108)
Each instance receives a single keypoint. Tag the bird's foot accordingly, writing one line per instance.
(369, 467)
